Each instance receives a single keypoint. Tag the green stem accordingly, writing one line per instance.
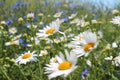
(21, 72)
(4, 73)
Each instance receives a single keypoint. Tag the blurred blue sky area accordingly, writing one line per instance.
(105, 3)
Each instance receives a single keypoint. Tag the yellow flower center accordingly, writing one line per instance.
(28, 55)
(65, 65)
(81, 38)
(43, 53)
(50, 31)
(54, 60)
(88, 46)
(12, 42)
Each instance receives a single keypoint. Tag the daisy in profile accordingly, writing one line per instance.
(88, 43)
(115, 60)
(12, 42)
(72, 16)
(27, 57)
(61, 66)
(50, 30)
(17, 37)
(116, 20)
(43, 53)
(57, 15)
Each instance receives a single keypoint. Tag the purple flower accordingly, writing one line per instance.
(14, 7)
(8, 22)
(27, 24)
(46, 3)
(58, 3)
(2, 3)
(84, 73)
(65, 19)
(21, 40)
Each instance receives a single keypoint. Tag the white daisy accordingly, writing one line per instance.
(12, 30)
(75, 21)
(82, 23)
(17, 37)
(62, 66)
(114, 45)
(87, 45)
(43, 53)
(57, 15)
(30, 15)
(27, 57)
(3, 23)
(36, 40)
(72, 16)
(100, 34)
(115, 60)
(76, 41)
(50, 30)
(13, 42)
(116, 20)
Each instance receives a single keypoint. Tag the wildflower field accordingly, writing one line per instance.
(58, 40)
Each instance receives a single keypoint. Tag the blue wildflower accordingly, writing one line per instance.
(14, 7)
(58, 3)
(21, 40)
(46, 3)
(43, 25)
(65, 19)
(8, 22)
(27, 25)
(84, 73)
(2, 3)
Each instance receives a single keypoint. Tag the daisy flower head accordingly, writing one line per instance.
(85, 46)
(114, 45)
(116, 20)
(12, 30)
(27, 57)
(115, 60)
(43, 53)
(17, 37)
(49, 30)
(75, 21)
(76, 41)
(3, 23)
(12, 42)
(57, 15)
(115, 12)
(30, 15)
(61, 66)
(72, 15)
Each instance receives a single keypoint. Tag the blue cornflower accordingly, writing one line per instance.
(43, 25)
(21, 40)
(65, 19)
(46, 3)
(27, 25)
(2, 3)
(18, 3)
(84, 73)
(14, 7)
(8, 22)
(58, 3)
